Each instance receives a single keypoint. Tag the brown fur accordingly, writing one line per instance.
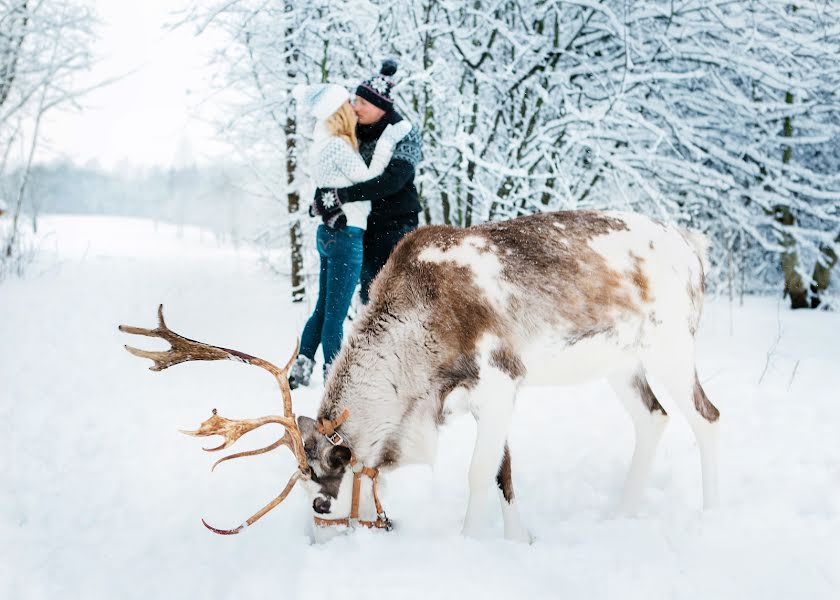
(566, 280)
(695, 295)
(391, 454)
(556, 268)
(509, 363)
(637, 275)
(459, 313)
(646, 394)
(706, 409)
(462, 372)
(503, 478)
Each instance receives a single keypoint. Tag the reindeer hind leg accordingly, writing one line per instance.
(705, 424)
(676, 371)
(649, 421)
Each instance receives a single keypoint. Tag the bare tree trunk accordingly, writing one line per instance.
(469, 203)
(11, 51)
(35, 203)
(292, 194)
(21, 193)
(822, 272)
(794, 284)
(293, 203)
(428, 123)
(446, 208)
(800, 296)
(298, 282)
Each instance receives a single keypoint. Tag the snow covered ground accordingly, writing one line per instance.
(101, 496)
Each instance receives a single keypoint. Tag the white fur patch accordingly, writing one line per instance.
(474, 254)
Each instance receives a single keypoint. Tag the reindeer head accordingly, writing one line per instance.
(331, 475)
(325, 463)
(335, 478)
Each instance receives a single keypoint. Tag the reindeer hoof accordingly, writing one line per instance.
(523, 536)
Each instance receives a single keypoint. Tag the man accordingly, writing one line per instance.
(394, 202)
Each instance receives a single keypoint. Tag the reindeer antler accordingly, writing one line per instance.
(232, 430)
(183, 350)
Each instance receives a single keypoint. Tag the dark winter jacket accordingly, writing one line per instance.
(393, 195)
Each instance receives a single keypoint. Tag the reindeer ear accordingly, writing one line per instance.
(306, 426)
(338, 457)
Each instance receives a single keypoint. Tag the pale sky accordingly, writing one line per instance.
(146, 118)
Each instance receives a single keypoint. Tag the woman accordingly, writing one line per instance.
(335, 162)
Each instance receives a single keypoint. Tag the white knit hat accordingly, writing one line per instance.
(320, 100)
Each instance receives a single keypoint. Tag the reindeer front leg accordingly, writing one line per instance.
(491, 403)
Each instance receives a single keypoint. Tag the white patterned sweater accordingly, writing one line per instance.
(335, 164)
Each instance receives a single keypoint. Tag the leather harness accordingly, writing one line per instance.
(327, 428)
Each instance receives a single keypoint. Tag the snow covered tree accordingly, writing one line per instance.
(275, 46)
(715, 114)
(43, 45)
(659, 107)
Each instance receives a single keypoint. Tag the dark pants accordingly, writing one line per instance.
(378, 244)
(341, 261)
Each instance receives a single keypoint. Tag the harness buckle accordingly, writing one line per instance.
(384, 518)
(335, 438)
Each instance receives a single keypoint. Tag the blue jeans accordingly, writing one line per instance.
(341, 262)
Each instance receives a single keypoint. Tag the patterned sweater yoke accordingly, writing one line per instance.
(409, 149)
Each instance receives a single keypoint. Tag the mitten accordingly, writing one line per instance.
(335, 220)
(326, 201)
(394, 133)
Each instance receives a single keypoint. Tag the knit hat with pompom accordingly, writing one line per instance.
(321, 100)
(377, 89)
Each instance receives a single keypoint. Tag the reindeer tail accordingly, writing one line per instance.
(700, 243)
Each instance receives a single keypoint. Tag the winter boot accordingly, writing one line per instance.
(301, 371)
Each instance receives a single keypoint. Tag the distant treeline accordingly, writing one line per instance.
(217, 197)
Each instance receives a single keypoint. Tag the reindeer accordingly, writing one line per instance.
(462, 318)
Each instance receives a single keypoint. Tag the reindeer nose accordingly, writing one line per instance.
(321, 506)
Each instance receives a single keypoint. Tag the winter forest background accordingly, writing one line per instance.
(150, 152)
(720, 115)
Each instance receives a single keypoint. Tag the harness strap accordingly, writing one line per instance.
(327, 427)
(381, 522)
(377, 524)
(373, 473)
(357, 487)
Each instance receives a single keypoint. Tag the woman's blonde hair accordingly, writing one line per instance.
(342, 123)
